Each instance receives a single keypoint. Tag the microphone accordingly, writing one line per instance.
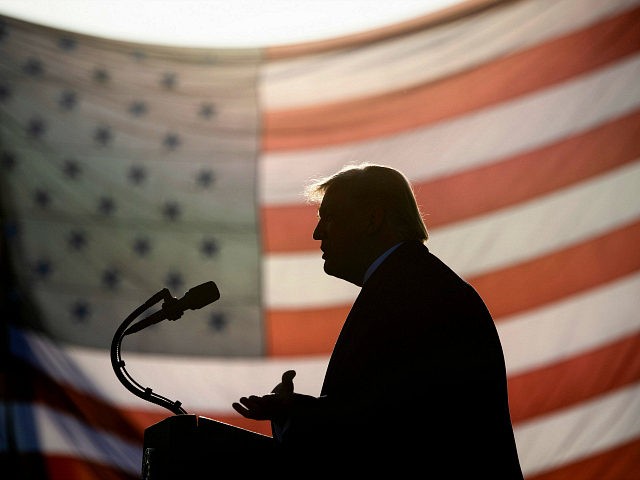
(173, 308)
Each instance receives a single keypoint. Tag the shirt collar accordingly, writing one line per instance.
(378, 261)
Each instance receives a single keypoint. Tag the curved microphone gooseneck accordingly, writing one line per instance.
(172, 309)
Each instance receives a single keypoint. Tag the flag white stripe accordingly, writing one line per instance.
(550, 334)
(297, 280)
(470, 141)
(517, 234)
(578, 432)
(62, 434)
(560, 330)
(481, 244)
(198, 382)
(399, 63)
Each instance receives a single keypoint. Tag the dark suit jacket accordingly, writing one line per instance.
(416, 380)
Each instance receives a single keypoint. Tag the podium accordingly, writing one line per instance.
(193, 447)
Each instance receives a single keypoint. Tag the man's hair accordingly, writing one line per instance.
(382, 185)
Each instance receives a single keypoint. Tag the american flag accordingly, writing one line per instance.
(127, 168)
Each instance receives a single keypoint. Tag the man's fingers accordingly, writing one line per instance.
(250, 408)
(252, 402)
(241, 409)
(258, 408)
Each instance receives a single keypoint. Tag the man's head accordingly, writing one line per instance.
(364, 210)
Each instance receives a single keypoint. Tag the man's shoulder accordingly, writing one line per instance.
(414, 261)
(412, 247)
(413, 253)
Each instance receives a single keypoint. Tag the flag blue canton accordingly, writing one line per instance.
(138, 168)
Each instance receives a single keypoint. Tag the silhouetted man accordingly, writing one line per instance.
(416, 381)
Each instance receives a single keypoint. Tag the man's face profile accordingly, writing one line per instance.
(341, 231)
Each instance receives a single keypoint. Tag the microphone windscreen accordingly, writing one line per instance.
(201, 295)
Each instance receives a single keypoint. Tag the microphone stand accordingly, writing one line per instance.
(118, 364)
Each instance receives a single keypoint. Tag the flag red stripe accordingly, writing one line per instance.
(562, 273)
(303, 332)
(503, 79)
(85, 407)
(506, 291)
(288, 228)
(618, 463)
(580, 378)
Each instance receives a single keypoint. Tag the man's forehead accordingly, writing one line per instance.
(333, 197)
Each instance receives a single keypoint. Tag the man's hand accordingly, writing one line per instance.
(285, 387)
(273, 406)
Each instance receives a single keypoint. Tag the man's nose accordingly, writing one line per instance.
(317, 232)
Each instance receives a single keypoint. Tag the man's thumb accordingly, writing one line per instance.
(287, 377)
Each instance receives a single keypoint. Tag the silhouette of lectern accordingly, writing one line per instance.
(192, 447)
(188, 446)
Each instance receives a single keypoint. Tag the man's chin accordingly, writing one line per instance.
(329, 269)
